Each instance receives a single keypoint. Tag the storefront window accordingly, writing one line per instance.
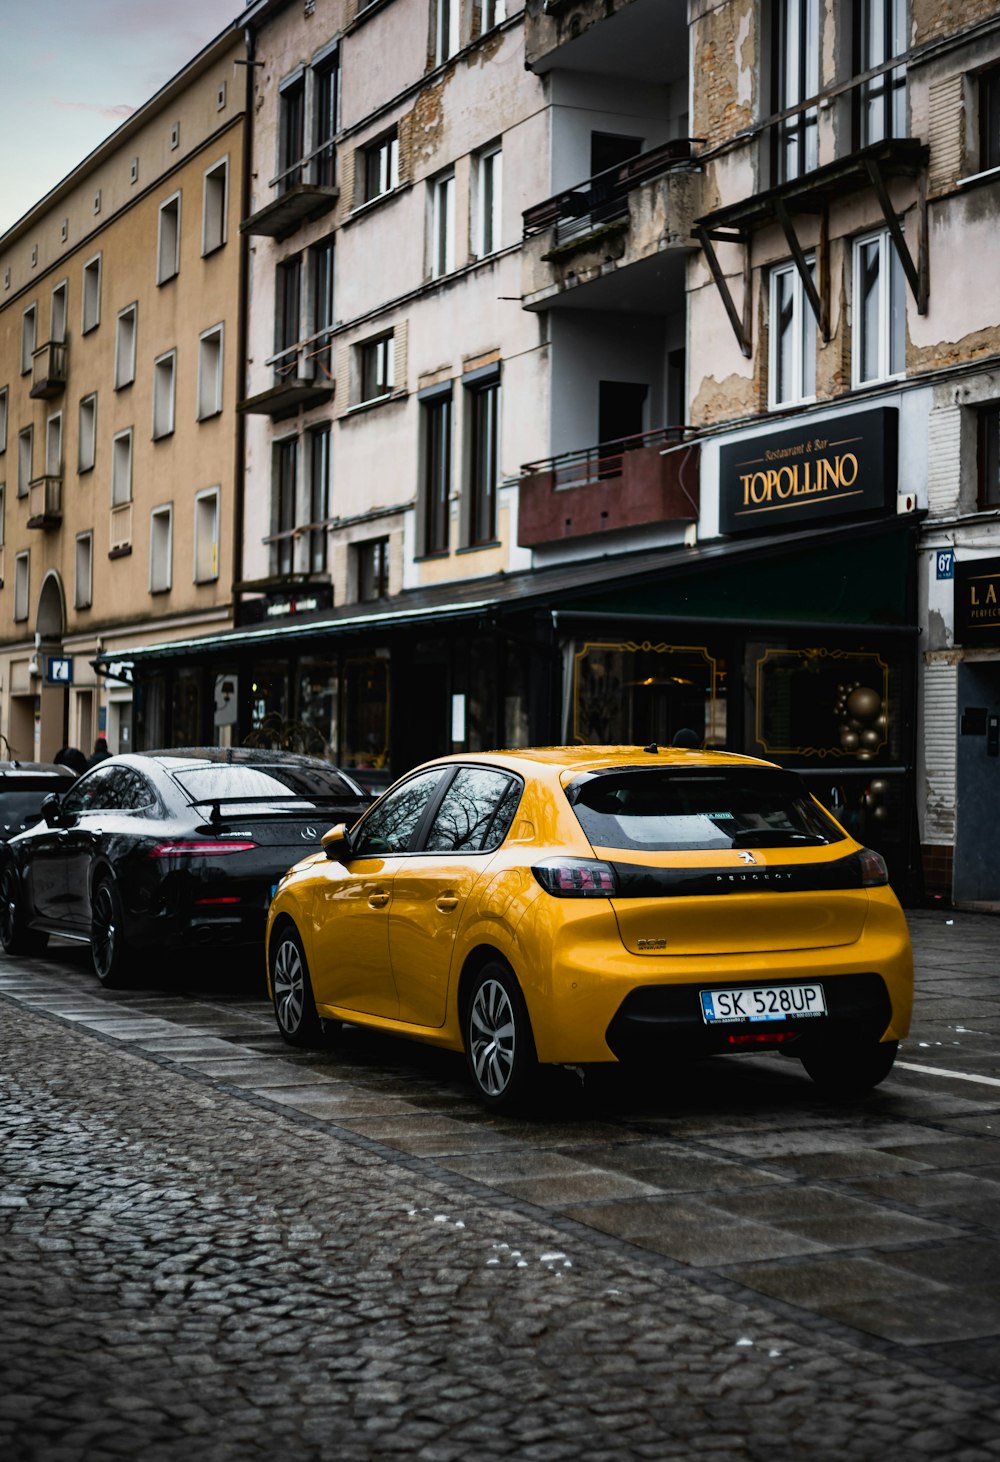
(150, 717)
(516, 726)
(820, 704)
(634, 693)
(186, 720)
(365, 719)
(269, 705)
(318, 705)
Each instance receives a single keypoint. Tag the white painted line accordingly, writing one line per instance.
(954, 1075)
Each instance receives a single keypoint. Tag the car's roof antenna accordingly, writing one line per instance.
(652, 748)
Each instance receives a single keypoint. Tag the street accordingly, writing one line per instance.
(215, 1247)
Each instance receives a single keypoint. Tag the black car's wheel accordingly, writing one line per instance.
(108, 951)
(499, 1045)
(294, 1006)
(849, 1068)
(15, 936)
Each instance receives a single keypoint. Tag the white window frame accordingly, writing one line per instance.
(83, 588)
(22, 586)
(387, 149)
(25, 459)
(446, 30)
(29, 337)
(53, 445)
(442, 224)
(4, 400)
(161, 573)
(488, 13)
(802, 337)
(168, 239)
(90, 304)
(87, 436)
(59, 313)
(488, 201)
(210, 374)
(121, 468)
(215, 206)
(889, 270)
(126, 330)
(164, 411)
(206, 535)
(386, 345)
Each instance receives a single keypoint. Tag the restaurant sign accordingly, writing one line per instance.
(977, 601)
(818, 470)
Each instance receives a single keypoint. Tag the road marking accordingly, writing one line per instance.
(955, 1075)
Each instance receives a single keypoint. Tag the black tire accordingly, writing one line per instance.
(849, 1068)
(15, 936)
(291, 989)
(108, 949)
(499, 1045)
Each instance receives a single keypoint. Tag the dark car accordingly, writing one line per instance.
(167, 850)
(24, 786)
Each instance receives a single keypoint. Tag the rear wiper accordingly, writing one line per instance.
(775, 838)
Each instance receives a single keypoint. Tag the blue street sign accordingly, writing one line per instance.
(944, 560)
(58, 671)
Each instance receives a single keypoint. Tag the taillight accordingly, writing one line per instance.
(191, 849)
(874, 873)
(576, 878)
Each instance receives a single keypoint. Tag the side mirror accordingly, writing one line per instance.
(337, 843)
(52, 810)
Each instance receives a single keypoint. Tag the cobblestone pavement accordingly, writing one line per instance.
(213, 1248)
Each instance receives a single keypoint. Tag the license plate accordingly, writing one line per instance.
(761, 1002)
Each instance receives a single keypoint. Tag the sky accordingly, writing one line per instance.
(71, 71)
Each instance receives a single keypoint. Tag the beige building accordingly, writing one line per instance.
(119, 364)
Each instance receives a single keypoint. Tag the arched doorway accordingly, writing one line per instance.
(52, 707)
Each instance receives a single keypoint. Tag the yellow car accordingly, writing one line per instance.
(578, 905)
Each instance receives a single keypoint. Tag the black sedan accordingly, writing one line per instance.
(167, 850)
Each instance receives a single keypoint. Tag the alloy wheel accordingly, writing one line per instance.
(104, 931)
(8, 906)
(492, 1037)
(289, 987)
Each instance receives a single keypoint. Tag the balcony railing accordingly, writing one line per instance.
(303, 377)
(304, 191)
(120, 536)
(48, 370)
(45, 501)
(602, 199)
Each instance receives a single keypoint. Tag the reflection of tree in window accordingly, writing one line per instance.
(390, 826)
(469, 818)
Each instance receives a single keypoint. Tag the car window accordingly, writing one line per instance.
(21, 808)
(132, 792)
(475, 813)
(392, 822)
(95, 791)
(664, 810)
(229, 780)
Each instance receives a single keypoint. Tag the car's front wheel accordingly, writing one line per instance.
(499, 1045)
(15, 936)
(294, 1006)
(108, 952)
(849, 1067)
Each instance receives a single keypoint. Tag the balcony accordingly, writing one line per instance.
(303, 378)
(614, 485)
(48, 370)
(45, 502)
(303, 192)
(120, 530)
(637, 216)
(620, 37)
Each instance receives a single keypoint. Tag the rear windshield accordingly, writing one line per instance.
(22, 807)
(666, 811)
(312, 786)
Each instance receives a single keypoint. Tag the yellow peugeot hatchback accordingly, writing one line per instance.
(578, 905)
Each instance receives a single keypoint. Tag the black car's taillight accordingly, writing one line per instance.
(576, 878)
(196, 848)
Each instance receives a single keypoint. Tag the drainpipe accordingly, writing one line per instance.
(243, 317)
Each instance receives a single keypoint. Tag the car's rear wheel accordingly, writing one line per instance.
(15, 936)
(294, 1005)
(108, 950)
(499, 1045)
(849, 1067)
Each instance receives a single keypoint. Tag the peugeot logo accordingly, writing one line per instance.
(309, 834)
(747, 857)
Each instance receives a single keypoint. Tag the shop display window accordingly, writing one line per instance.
(365, 715)
(634, 693)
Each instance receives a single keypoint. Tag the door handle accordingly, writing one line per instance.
(447, 902)
(378, 899)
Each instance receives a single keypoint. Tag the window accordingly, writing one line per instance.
(84, 594)
(161, 548)
(796, 76)
(446, 38)
(125, 347)
(319, 497)
(60, 308)
(325, 110)
(793, 338)
(488, 188)
(381, 166)
(377, 372)
(437, 472)
(121, 468)
(475, 812)
(25, 451)
(291, 132)
(210, 373)
(484, 459)
(164, 394)
(322, 295)
(288, 313)
(214, 206)
(879, 310)
(441, 194)
(88, 433)
(487, 14)
(168, 247)
(3, 419)
(21, 572)
(392, 823)
(373, 569)
(3, 521)
(206, 536)
(283, 506)
(880, 33)
(989, 457)
(29, 337)
(989, 120)
(53, 446)
(91, 295)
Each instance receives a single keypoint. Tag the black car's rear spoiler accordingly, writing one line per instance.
(278, 803)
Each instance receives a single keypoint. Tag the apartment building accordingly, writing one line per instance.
(118, 383)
